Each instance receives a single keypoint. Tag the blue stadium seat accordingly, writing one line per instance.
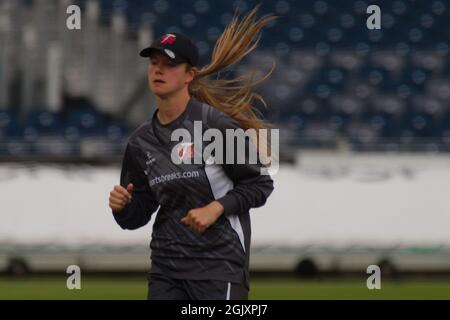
(15, 147)
(116, 131)
(44, 122)
(421, 125)
(9, 125)
(87, 123)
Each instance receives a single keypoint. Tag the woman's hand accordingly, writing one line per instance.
(119, 197)
(201, 218)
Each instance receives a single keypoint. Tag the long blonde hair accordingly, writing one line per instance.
(233, 96)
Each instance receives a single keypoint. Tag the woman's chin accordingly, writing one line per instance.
(159, 91)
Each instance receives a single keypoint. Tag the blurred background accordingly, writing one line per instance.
(364, 119)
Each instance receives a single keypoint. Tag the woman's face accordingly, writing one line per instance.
(164, 77)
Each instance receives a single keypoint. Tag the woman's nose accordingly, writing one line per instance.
(157, 67)
(154, 69)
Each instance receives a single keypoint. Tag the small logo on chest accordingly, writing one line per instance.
(150, 159)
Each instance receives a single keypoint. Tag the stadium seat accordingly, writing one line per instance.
(87, 123)
(9, 125)
(44, 122)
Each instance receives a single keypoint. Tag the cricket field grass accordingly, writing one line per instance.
(132, 287)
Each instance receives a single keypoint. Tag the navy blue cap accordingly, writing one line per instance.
(178, 47)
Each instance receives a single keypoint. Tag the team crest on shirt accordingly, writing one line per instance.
(185, 151)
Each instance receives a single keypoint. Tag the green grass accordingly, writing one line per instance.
(349, 289)
(96, 287)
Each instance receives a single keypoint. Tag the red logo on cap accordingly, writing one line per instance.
(168, 38)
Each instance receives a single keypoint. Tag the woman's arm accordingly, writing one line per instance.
(251, 187)
(137, 212)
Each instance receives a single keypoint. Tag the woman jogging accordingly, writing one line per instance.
(201, 236)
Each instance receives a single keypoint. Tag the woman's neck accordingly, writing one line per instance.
(172, 107)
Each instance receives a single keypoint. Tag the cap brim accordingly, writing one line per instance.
(148, 51)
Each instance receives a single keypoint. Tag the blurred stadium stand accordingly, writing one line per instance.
(336, 83)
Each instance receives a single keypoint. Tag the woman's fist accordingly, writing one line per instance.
(200, 219)
(119, 197)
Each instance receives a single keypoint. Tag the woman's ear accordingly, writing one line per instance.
(192, 72)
